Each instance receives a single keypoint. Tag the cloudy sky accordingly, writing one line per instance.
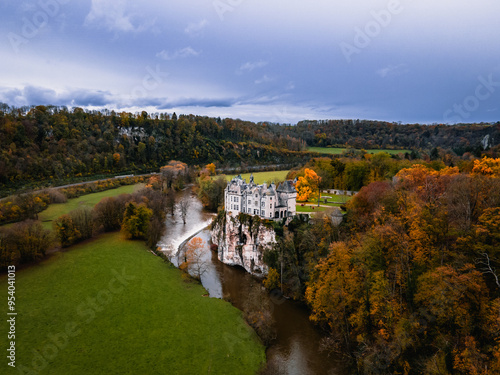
(277, 60)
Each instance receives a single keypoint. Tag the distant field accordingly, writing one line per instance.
(338, 151)
(90, 200)
(261, 177)
(110, 307)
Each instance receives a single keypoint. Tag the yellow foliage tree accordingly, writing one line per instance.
(307, 186)
(272, 280)
(210, 168)
(487, 167)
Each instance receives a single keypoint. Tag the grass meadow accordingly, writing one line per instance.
(57, 209)
(261, 177)
(109, 306)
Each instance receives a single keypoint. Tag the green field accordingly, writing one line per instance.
(309, 208)
(111, 307)
(338, 151)
(261, 177)
(55, 210)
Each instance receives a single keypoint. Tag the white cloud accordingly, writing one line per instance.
(179, 54)
(116, 16)
(393, 70)
(251, 65)
(263, 79)
(195, 28)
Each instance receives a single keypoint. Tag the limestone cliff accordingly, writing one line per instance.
(242, 240)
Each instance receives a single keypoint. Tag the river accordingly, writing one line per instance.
(295, 351)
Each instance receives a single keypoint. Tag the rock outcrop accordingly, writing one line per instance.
(242, 240)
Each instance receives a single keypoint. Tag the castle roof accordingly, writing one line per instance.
(286, 187)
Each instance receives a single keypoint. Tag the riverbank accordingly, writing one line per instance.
(127, 312)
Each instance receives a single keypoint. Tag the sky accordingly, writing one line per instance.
(281, 61)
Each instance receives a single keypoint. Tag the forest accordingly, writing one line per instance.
(55, 145)
(409, 282)
(365, 134)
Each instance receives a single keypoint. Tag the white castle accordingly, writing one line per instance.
(265, 201)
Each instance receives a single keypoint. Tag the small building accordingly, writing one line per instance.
(269, 202)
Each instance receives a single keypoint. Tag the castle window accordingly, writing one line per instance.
(249, 202)
(256, 204)
(236, 199)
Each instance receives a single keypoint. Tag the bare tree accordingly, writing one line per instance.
(194, 263)
(184, 207)
(486, 267)
(170, 203)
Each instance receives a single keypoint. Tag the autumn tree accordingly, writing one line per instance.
(136, 221)
(210, 168)
(272, 280)
(307, 186)
(108, 213)
(194, 262)
(66, 230)
(211, 192)
(173, 174)
(23, 242)
(257, 311)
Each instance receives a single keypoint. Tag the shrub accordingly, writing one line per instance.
(66, 230)
(24, 242)
(82, 220)
(136, 221)
(56, 196)
(108, 213)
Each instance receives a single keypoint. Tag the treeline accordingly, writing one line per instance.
(353, 173)
(367, 134)
(355, 168)
(408, 283)
(28, 205)
(47, 143)
(140, 216)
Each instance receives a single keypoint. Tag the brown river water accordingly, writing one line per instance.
(296, 349)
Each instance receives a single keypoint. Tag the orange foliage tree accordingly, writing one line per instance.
(194, 263)
(307, 185)
(487, 167)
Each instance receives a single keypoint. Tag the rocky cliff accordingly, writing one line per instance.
(242, 240)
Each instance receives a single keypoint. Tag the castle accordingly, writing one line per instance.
(265, 201)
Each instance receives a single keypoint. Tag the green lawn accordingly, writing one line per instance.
(111, 307)
(308, 208)
(338, 151)
(56, 210)
(261, 177)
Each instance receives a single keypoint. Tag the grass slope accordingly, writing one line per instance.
(261, 177)
(338, 151)
(111, 307)
(55, 210)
